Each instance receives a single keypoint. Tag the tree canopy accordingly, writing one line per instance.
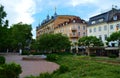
(3, 14)
(21, 35)
(4, 31)
(18, 35)
(53, 42)
(89, 41)
(114, 36)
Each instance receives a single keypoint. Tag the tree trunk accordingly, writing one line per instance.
(88, 51)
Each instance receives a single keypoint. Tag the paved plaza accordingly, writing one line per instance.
(31, 67)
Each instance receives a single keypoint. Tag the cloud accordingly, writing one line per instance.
(34, 32)
(75, 3)
(19, 10)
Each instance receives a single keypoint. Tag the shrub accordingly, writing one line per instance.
(25, 53)
(52, 57)
(36, 53)
(63, 69)
(45, 75)
(112, 56)
(2, 60)
(92, 55)
(42, 75)
(11, 70)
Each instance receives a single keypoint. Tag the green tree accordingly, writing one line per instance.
(53, 42)
(3, 14)
(34, 45)
(21, 35)
(89, 41)
(114, 36)
(4, 31)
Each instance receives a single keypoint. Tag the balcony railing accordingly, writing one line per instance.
(74, 29)
(73, 35)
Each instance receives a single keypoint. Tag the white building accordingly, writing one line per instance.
(103, 25)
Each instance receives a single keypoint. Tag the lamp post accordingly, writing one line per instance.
(28, 41)
(20, 48)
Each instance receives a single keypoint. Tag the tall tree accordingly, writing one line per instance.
(4, 31)
(21, 35)
(3, 14)
(53, 42)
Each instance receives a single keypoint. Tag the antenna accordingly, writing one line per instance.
(55, 14)
(112, 6)
(39, 22)
(55, 9)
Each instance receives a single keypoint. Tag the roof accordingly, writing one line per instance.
(58, 19)
(103, 17)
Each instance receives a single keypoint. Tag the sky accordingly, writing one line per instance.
(35, 11)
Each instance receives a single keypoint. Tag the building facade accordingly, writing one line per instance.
(103, 25)
(72, 26)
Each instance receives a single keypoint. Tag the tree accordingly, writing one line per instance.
(3, 14)
(21, 35)
(4, 31)
(89, 41)
(53, 42)
(114, 36)
(34, 45)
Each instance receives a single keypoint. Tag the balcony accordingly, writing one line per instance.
(73, 29)
(73, 35)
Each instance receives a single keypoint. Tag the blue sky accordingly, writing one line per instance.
(34, 11)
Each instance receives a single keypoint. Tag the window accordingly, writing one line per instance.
(73, 33)
(83, 27)
(105, 36)
(74, 21)
(83, 33)
(78, 27)
(90, 30)
(111, 27)
(94, 29)
(99, 28)
(100, 37)
(115, 17)
(79, 33)
(100, 20)
(93, 22)
(117, 26)
(105, 27)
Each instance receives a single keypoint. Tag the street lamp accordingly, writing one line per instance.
(28, 41)
(20, 47)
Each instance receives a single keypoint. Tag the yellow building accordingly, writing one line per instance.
(72, 26)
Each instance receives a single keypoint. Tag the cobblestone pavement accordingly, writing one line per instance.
(31, 67)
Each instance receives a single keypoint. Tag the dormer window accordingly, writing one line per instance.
(100, 20)
(93, 22)
(73, 21)
(115, 17)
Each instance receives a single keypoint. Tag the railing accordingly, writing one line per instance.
(73, 35)
(74, 29)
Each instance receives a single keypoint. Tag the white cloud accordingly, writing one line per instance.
(19, 10)
(34, 33)
(75, 3)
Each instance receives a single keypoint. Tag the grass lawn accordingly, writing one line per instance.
(87, 67)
